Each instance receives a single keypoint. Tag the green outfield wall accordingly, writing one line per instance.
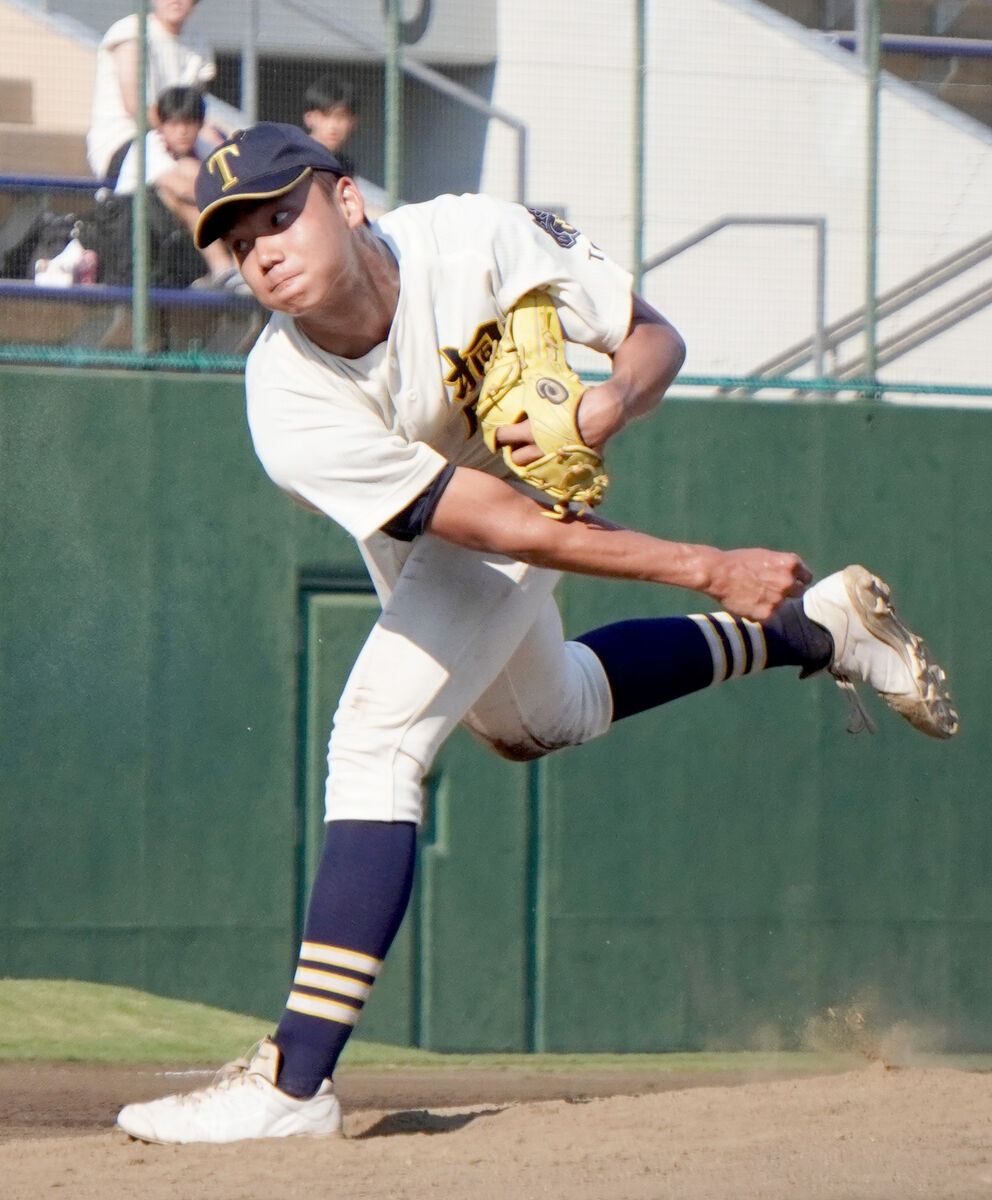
(173, 636)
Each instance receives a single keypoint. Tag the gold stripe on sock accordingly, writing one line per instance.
(337, 956)
(326, 981)
(713, 640)
(759, 647)
(736, 639)
(327, 1010)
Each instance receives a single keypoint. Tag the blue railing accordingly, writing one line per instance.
(101, 293)
(927, 46)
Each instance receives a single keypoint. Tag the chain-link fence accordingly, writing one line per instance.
(801, 186)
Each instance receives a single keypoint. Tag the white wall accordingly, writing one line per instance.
(748, 113)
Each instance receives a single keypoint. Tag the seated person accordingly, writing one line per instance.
(171, 166)
(176, 56)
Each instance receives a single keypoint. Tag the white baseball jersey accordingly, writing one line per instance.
(359, 439)
(464, 635)
(158, 162)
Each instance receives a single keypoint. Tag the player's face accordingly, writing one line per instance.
(298, 253)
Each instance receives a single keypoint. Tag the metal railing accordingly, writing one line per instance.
(889, 303)
(922, 44)
(827, 339)
(817, 224)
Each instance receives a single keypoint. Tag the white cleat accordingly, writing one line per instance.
(242, 1103)
(871, 645)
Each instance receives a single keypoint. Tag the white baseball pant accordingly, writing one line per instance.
(463, 637)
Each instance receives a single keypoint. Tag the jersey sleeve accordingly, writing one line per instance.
(534, 249)
(324, 444)
(124, 30)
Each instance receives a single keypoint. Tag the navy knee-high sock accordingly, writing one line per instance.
(654, 660)
(360, 893)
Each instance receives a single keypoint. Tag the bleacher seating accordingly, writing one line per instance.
(28, 148)
(915, 17)
(964, 82)
(968, 87)
(17, 101)
(972, 19)
(99, 316)
(41, 151)
(43, 168)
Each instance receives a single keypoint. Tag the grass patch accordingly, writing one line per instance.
(46, 1020)
(55, 1020)
(70, 1021)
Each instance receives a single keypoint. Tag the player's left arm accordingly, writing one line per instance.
(644, 366)
(480, 512)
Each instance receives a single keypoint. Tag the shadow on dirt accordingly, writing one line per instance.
(423, 1121)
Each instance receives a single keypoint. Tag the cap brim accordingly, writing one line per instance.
(212, 224)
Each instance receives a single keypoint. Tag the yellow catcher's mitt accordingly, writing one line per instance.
(529, 377)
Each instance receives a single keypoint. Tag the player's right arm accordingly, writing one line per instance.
(643, 367)
(480, 512)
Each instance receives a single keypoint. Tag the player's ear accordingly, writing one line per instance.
(351, 200)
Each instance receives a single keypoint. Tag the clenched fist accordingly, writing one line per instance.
(753, 583)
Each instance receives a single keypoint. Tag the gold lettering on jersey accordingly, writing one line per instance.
(467, 367)
(218, 162)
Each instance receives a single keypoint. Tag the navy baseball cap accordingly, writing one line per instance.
(259, 163)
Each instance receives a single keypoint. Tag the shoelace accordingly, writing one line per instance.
(232, 1069)
(222, 1080)
(221, 1083)
(858, 720)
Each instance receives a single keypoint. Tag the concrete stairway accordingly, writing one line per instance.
(46, 81)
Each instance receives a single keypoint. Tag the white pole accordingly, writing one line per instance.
(861, 39)
(249, 64)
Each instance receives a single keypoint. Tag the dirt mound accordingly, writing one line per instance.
(872, 1134)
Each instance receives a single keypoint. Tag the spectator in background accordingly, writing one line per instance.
(175, 58)
(330, 115)
(171, 166)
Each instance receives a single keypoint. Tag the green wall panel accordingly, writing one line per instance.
(454, 978)
(794, 866)
(148, 636)
(713, 873)
(475, 941)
